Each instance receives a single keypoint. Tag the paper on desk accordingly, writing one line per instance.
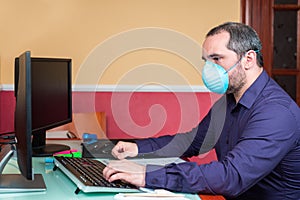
(122, 197)
(57, 134)
(157, 194)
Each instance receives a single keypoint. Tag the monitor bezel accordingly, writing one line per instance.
(23, 125)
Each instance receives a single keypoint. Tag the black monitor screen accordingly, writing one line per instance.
(50, 92)
(51, 100)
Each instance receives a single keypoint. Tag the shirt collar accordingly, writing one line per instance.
(254, 90)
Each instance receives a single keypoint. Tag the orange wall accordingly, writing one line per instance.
(76, 28)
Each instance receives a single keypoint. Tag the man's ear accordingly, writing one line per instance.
(250, 57)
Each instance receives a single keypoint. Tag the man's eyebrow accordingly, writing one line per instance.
(214, 55)
(211, 56)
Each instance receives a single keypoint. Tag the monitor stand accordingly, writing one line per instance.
(11, 183)
(17, 183)
(49, 150)
(41, 149)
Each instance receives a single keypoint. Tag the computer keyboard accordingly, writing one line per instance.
(86, 173)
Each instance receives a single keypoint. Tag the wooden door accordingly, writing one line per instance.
(277, 24)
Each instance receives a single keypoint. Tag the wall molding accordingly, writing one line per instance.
(6, 87)
(127, 88)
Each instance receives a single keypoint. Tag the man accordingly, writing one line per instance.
(256, 123)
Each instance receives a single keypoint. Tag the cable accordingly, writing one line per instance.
(7, 133)
(9, 142)
(7, 137)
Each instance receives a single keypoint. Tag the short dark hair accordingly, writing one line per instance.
(242, 39)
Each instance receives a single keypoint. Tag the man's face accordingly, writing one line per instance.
(215, 50)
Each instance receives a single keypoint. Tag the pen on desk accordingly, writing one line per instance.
(72, 155)
(66, 152)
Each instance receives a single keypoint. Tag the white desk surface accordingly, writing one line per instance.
(58, 185)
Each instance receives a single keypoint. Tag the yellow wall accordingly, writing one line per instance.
(100, 35)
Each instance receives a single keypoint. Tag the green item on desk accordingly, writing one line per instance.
(72, 155)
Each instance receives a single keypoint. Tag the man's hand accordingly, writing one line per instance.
(127, 171)
(125, 149)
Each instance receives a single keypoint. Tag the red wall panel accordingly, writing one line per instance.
(7, 109)
(130, 114)
(145, 114)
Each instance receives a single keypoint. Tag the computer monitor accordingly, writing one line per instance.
(27, 180)
(43, 91)
(23, 126)
(51, 99)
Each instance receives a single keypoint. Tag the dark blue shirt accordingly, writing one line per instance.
(257, 141)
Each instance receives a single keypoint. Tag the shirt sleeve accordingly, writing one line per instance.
(269, 135)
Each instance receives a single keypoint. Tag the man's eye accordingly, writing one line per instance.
(216, 58)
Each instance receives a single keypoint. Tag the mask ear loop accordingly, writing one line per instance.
(233, 65)
(226, 71)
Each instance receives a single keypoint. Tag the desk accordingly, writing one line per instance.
(61, 187)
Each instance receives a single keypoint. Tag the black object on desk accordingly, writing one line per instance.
(101, 148)
(98, 148)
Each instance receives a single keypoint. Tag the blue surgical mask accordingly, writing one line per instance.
(215, 77)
